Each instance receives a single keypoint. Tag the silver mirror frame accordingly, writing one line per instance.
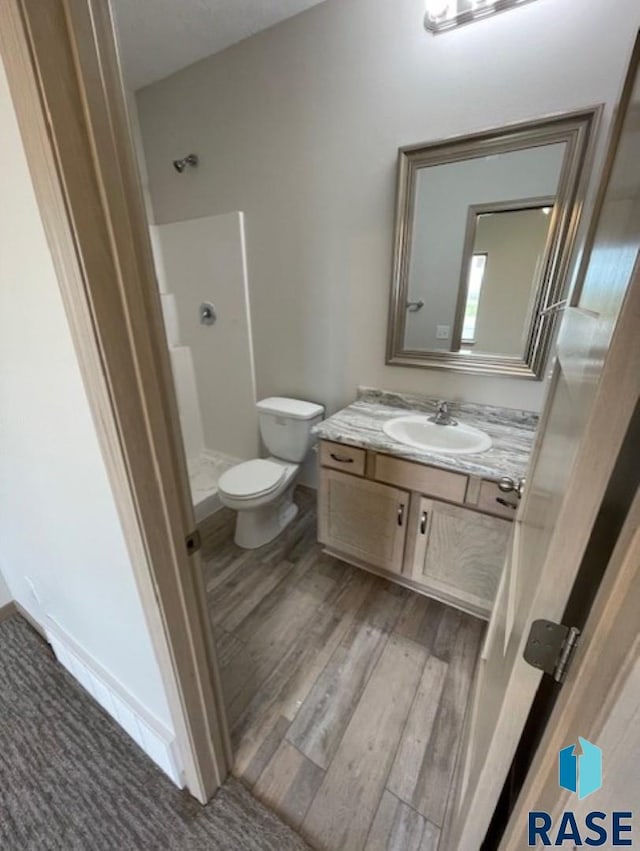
(444, 24)
(578, 130)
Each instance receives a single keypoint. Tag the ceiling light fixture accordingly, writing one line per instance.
(442, 15)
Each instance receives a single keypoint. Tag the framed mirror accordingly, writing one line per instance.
(485, 228)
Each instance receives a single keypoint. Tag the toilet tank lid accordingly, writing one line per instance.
(294, 408)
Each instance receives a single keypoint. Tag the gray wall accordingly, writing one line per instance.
(299, 127)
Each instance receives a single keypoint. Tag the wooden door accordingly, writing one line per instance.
(363, 519)
(460, 554)
(600, 702)
(593, 391)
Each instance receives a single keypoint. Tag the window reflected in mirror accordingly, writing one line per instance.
(475, 280)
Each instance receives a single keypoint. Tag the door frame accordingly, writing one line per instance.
(61, 63)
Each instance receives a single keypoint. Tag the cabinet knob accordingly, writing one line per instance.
(423, 522)
(400, 514)
(508, 485)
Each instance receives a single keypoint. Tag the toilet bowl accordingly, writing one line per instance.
(261, 490)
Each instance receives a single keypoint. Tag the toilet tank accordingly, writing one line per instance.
(285, 426)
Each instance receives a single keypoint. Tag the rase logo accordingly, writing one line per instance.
(580, 772)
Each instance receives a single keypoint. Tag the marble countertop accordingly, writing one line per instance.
(512, 432)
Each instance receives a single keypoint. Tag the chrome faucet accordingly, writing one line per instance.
(442, 416)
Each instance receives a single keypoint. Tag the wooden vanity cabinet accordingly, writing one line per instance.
(457, 553)
(441, 533)
(363, 519)
(349, 459)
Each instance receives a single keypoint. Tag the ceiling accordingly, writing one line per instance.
(158, 37)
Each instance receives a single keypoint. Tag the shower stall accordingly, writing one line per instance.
(202, 276)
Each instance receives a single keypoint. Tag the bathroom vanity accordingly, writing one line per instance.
(436, 523)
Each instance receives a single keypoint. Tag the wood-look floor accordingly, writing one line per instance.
(346, 694)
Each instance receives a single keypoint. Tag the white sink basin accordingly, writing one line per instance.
(416, 430)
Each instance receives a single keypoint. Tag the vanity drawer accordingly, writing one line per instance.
(349, 459)
(488, 498)
(430, 481)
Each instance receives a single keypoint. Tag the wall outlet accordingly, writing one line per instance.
(443, 332)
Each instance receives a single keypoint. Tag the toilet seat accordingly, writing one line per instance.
(251, 479)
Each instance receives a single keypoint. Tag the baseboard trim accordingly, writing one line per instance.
(150, 734)
(7, 611)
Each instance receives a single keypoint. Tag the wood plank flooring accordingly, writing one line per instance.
(346, 694)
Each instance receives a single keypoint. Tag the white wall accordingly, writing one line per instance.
(62, 550)
(443, 196)
(299, 127)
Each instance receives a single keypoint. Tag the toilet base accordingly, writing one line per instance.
(256, 527)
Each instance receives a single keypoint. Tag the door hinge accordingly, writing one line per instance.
(193, 542)
(550, 647)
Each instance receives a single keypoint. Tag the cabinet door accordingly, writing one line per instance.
(460, 553)
(363, 519)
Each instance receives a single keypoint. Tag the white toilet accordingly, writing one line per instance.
(261, 491)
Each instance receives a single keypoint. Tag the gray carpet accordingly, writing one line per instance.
(71, 779)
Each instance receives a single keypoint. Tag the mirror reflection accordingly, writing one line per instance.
(500, 280)
(480, 230)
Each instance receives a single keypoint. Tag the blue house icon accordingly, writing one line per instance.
(580, 772)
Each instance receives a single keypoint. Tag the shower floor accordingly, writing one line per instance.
(204, 472)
